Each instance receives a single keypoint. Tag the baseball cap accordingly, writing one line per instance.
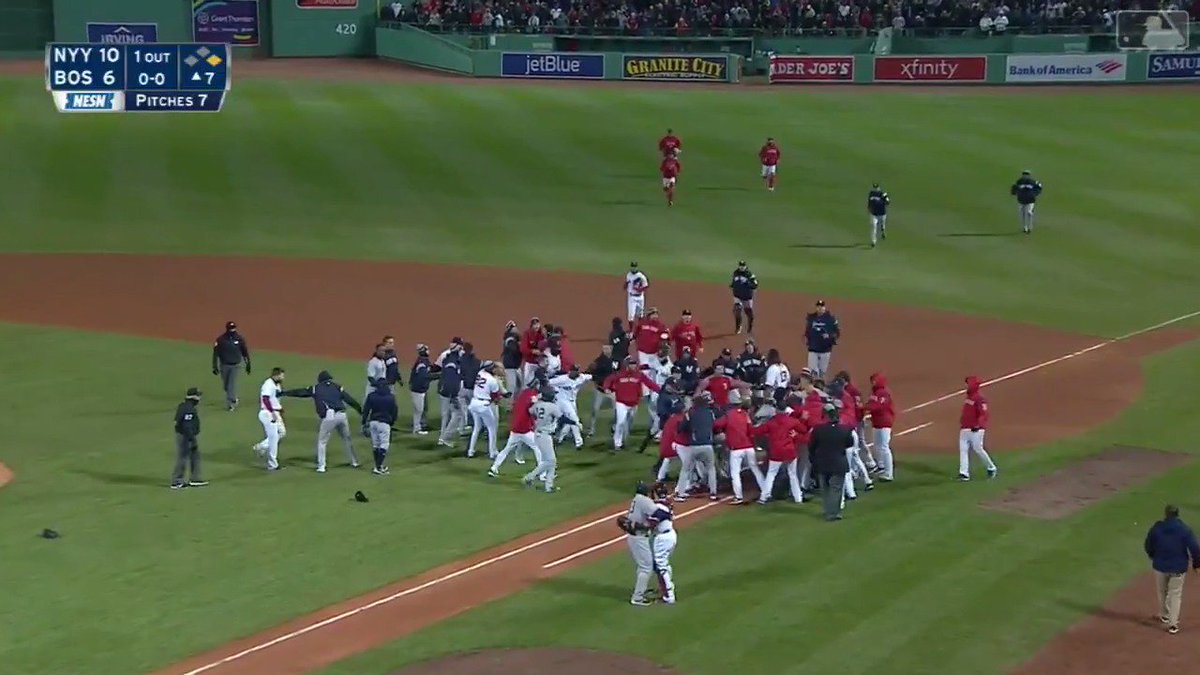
(633, 263)
(230, 325)
(193, 392)
(820, 303)
(456, 340)
(687, 312)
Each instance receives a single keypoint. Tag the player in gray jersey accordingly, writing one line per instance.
(545, 422)
(636, 526)
(376, 370)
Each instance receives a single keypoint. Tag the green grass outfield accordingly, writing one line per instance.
(564, 178)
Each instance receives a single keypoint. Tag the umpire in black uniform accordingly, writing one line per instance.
(187, 448)
(618, 339)
(743, 285)
(229, 354)
(827, 454)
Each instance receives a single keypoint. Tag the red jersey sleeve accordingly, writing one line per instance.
(650, 384)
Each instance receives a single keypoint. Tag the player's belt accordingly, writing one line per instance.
(485, 400)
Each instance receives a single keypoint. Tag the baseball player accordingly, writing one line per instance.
(451, 352)
(1026, 190)
(605, 365)
(973, 422)
(520, 431)
(768, 154)
(649, 335)
(695, 448)
(670, 168)
(635, 286)
(376, 370)
(663, 540)
(847, 409)
(566, 394)
(330, 401)
(270, 415)
(689, 369)
(391, 363)
(821, 333)
(668, 441)
(545, 419)
(419, 378)
(454, 414)
(230, 352)
(484, 394)
(882, 410)
(658, 370)
(468, 365)
(738, 427)
(864, 447)
(778, 377)
(626, 387)
(877, 206)
(636, 526)
(670, 144)
(379, 414)
(783, 432)
(687, 333)
(743, 284)
(510, 356)
(531, 350)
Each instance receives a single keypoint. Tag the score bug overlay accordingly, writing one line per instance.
(145, 77)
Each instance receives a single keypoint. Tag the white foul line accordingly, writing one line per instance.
(1060, 359)
(697, 509)
(528, 547)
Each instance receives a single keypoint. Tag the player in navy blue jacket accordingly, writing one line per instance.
(821, 333)
(379, 415)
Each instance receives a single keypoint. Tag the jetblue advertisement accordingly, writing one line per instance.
(554, 65)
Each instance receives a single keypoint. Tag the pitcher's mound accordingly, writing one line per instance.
(537, 662)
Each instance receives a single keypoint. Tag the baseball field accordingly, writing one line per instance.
(332, 203)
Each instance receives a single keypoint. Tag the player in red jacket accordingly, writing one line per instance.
(687, 333)
(738, 428)
(883, 416)
(649, 333)
(972, 423)
(860, 404)
(670, 168)
(848, 419)
(531, 350)
(670, 144)
(520, 431)
(719, 384)
(626, 386)
(783, 434)
(666, 442)
(768, 154)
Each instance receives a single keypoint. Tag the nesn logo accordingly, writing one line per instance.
(91, 101)
(1108, 66)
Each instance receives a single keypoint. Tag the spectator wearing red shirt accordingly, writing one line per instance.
(738, 428)
(882, 411)
(973, 423)
(687, 333)
(783, 432)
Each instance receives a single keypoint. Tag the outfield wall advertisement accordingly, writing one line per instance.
(926, 69)
(1036, 68)
(121, 33)
(1174, 66)
(811, 69)
(552, 65)
(233, 22)
(675, 68)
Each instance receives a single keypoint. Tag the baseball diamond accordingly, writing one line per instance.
(717, 378)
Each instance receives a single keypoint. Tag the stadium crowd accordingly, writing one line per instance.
(683, 18)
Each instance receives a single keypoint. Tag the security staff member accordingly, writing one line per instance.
(391, 364)
(187, 449)
(821, 332)
(743, 285)
(618, 339)
(827, 456)
(1026, 190)
(605, 364)
(419, 379)
(330, 401)
(229, 354)
(751, 365)
(877, 206)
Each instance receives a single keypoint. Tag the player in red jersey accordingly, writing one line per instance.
(670, 144)
(670, 172)
(768, 154)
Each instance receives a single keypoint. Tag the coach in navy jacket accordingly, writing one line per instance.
(1172, 549)
(821, 333)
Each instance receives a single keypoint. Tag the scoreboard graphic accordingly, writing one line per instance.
(190, 77)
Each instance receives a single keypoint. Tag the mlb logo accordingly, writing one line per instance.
(1108, 66)
(104, 101)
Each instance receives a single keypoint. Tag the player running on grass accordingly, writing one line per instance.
(768, 154)
(669, 169)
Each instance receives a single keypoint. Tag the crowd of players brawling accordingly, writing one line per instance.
(708, 421)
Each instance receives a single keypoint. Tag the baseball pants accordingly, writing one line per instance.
(464, 400)
(381, 435)
(569, 420)
(1026, 217)
(187, 455)
(663, 545)
(665, 466)
(737, 458)
(768, 483)
(527, 373)
(857, 467)
(883, 450)
(968, 442)
(643, 559)
(699, 460)
(275, 431)
(484, 417)
(453, 417)
(625, 415)
(547, 462)
(864, 448)
(878, 227)
(515, 441)
(598, 400)
(418, 405)
(634, 305)
(229, 377)
(818, 363)
(334, 421)
(512, 380)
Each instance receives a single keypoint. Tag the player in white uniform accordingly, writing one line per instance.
(663, 541)
(636, 284)
(270, 414)
(566, 395)
(778, 375)
(486, 391)
(659, 370)
(545, 420)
